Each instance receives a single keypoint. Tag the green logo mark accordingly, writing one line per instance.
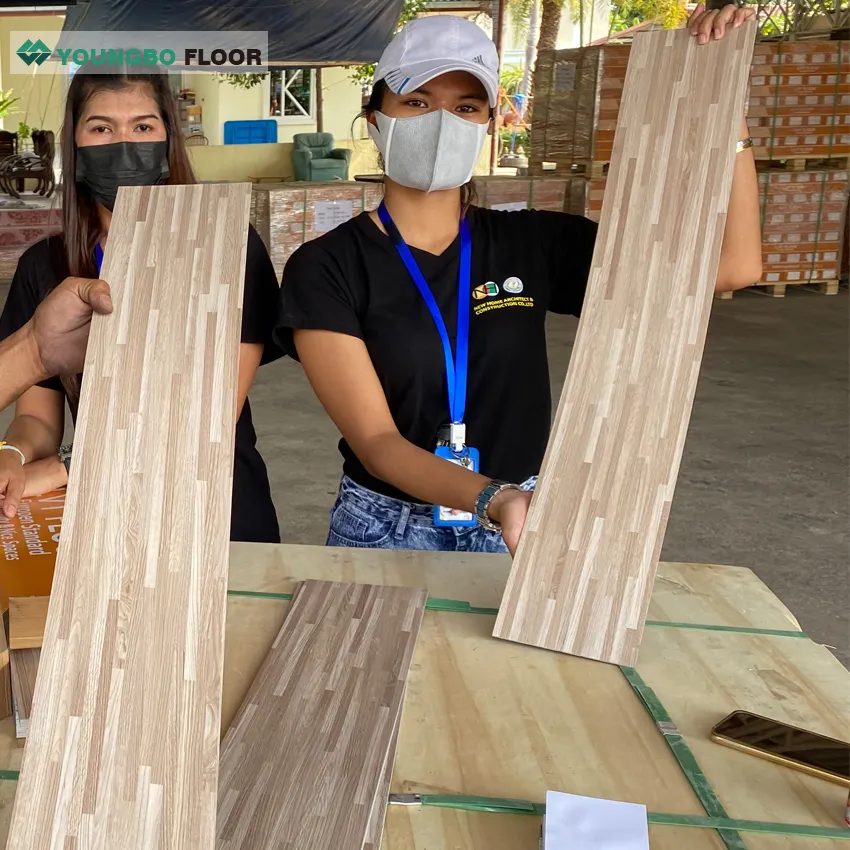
(37, 52)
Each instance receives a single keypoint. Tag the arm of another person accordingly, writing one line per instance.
(54, 340)
(340, 371)
(20, 366)
(740, 253)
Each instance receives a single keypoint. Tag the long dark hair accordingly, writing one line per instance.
(376, 101)
(80, 222)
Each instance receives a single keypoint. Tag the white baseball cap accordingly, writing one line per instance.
(438, 44)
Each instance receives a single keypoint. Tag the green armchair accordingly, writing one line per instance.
(314, 158)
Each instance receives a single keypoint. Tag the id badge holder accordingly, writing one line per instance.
(462, 455)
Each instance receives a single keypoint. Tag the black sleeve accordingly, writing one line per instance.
(569, 241)
(259, 302)
(315, 295)
(22, 301)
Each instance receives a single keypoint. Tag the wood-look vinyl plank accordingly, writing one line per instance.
(122, 750)
(308, 752)
(5, 675)
(583, 573)
(23, 664)
(27, 619)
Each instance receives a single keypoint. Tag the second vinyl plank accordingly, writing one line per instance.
(584, 569)
(308, 751)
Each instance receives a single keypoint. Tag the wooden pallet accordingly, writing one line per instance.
(765, 162)
(586, 168)
(777, 290)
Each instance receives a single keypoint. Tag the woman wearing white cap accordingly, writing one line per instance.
(421, 325)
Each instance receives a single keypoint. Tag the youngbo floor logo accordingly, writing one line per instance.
(34, 51)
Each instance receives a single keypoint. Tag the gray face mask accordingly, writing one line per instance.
(430, 152)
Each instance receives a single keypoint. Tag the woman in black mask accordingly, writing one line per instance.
(123, 130)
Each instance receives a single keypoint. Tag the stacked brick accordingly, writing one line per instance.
(285, 214)
(803, 217)
(799, 118)
(799, 106)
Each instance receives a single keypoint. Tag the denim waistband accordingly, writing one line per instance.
(378, 505)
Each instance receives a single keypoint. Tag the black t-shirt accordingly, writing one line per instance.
(524, 263)
(43, 266)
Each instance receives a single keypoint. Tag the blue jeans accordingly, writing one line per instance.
(368, 520)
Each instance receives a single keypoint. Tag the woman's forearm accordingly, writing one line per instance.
(740, 255)
(422, 474)
(34, 437)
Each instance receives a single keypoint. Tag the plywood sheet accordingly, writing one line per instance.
(582, 577)
(307, 752)
(486, 718)
(695, 593)
(122, 748)
(702, 676)
(424, 828)
(27, 619)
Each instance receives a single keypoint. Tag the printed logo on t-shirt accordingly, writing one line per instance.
(486, 290)
(512, 285)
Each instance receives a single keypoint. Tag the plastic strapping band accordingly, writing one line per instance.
(523, 807)
(772, 136)
(740, 630)
(825, 174)
(457, 606)
(683, 755)
(259, 594)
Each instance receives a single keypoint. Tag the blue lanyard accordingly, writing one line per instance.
(98, 256)
(455, 369)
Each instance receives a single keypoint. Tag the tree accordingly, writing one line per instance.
(363, 73)
(550, 23)
(530, 53)
(668, 13)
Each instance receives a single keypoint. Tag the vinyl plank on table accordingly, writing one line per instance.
(23, 664)
(122, 750)
(583, 574)
(311, 748)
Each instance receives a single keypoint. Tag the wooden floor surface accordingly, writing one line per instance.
(122, 750)
(307, 754)
(583, 573)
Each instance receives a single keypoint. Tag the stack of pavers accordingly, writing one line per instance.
(799, 118)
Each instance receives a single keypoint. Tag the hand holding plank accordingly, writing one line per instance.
(706, 24)
(60, 326)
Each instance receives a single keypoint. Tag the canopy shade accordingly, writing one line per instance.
(301, 32)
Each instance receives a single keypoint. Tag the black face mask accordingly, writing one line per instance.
(103, 168)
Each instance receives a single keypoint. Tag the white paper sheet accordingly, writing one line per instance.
(329, 214)
(510, 205)
(589, 823)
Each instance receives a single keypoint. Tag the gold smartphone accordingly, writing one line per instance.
(778, 742)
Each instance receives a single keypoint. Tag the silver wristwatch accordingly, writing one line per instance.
(482, 506)
(65, 457)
